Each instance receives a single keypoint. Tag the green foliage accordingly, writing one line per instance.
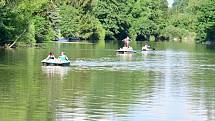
(43, 30)
(29, 36)
(45, 20)
(196, 16)
(175, 32)
(183, 20)
(89, 19)
(69, 24)
(91, 28)
(131, 17)
(17, 17)
(75, 24)
(106, 12)
(12, 24)
(180, 5)
(206, 22)
(149, 18)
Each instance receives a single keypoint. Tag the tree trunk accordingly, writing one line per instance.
(17, 39)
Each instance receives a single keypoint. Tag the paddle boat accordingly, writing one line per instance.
(125, 50)
(148, 51)
(55, 62)
(146, 47)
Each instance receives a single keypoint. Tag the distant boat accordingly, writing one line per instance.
(125, 50)
(73, 39)
(55, 62)
(147, 47)
(70, 39)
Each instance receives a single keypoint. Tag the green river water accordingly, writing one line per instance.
(174, 83)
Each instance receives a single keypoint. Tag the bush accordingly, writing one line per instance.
(43, 31)
(174, 32)
(74, 23)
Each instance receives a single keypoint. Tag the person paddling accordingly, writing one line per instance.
(50, 56)
(63, 57)
(146, 47)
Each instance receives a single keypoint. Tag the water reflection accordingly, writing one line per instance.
(125, 57)
(103, 95)
(146, 53)
(52, 71)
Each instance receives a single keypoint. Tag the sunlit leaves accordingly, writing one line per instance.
(76, 24)
(197, 16)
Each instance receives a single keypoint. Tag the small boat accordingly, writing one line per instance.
(148, 49)
(125, 50)
(70, 39)
(55, 62)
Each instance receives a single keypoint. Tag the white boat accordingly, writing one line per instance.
(125, 50)
(148, 49)
(55, 62)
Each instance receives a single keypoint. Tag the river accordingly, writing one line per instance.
(174, 83)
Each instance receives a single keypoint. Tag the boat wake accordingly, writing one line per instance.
(144, 62)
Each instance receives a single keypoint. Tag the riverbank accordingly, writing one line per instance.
(23, 45)
(39, 45)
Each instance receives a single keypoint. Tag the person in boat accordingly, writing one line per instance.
(50, 56)
(63, 57)
(126, 42)
(146, 47)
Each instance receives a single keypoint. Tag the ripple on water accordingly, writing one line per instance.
(157, 86)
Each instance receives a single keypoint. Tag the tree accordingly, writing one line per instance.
(76, 24)
(12, 25)
(107, 14)
(195, 16)
(148, 18)
(206, 22)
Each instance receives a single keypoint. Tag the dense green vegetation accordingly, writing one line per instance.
(46, 20)
(194, 17)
